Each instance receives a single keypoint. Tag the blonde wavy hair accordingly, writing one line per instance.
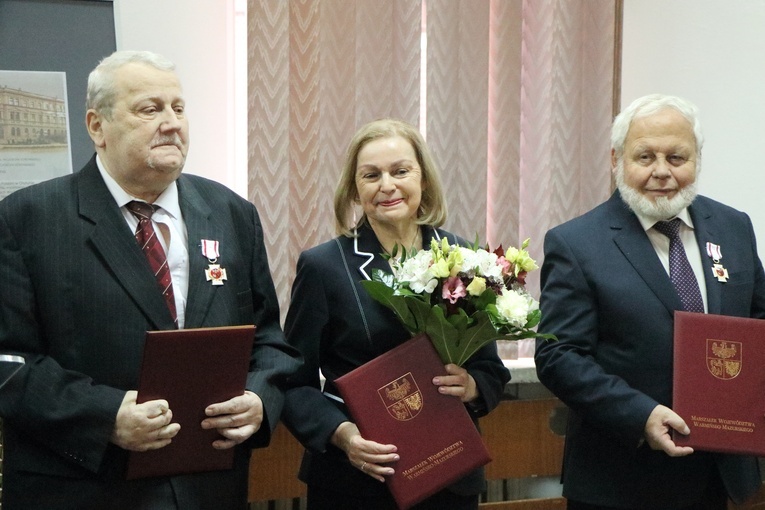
(432, 210)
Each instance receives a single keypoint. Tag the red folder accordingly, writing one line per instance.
(191, 369)
(719, 382)
(393, 401)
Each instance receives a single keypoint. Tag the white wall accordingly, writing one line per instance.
(200, 36)
(711, 52)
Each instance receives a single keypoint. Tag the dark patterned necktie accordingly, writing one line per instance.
(680, 271)
(147, 239)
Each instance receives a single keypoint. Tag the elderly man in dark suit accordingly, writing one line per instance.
(79, 294)
(608, 296)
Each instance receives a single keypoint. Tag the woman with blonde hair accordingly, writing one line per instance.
(390, 178)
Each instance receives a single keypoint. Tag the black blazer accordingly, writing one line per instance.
(338, 327)
(77, 298)
(607, 297)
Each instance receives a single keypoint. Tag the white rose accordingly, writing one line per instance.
(514, 307)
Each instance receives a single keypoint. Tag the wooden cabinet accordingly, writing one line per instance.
(517, 434)
(524, 438)
(273, 470)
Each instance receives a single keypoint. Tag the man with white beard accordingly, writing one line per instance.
(608, 296)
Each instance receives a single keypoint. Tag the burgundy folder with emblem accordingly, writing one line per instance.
(393, 401)
(719, 382)
(191, 369)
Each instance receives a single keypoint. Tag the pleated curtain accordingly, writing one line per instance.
(515, 98)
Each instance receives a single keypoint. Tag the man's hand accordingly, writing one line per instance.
(657, 431)
(142, 427)
(236, 419)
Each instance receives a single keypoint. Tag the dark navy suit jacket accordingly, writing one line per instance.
(338, 327)
(607, 297)
(76, 300)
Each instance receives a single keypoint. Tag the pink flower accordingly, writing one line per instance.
(507, 267)
(453, 289)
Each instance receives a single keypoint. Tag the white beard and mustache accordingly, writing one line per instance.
(662, 208)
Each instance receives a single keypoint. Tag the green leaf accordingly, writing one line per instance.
(388, 279)
(487, 297)
(460, 321)
(406, 292)
(548, 337)
(420, 310)
(386, 296)
(478, 335)
(533, 318)
(443, 335)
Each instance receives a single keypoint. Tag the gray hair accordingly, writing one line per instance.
(648, 105)
(101, 94)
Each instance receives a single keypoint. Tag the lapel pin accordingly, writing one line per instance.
(715, 253)
(214, 273)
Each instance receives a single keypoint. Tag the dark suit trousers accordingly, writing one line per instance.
(328, 499)
(714, 498)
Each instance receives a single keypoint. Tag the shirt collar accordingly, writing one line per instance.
(168, 200)
(684, 216)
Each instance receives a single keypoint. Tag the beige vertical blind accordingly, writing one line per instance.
(514, 97)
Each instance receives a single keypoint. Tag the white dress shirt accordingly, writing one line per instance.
(660, 243)
(174, 239)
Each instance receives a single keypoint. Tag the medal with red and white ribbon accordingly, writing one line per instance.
(715, 253)
(214, 273)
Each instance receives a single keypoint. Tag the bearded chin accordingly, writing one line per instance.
(662, 208)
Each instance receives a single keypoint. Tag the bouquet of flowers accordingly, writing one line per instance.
(462, 297)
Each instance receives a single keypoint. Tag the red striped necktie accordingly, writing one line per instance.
(147, 239)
